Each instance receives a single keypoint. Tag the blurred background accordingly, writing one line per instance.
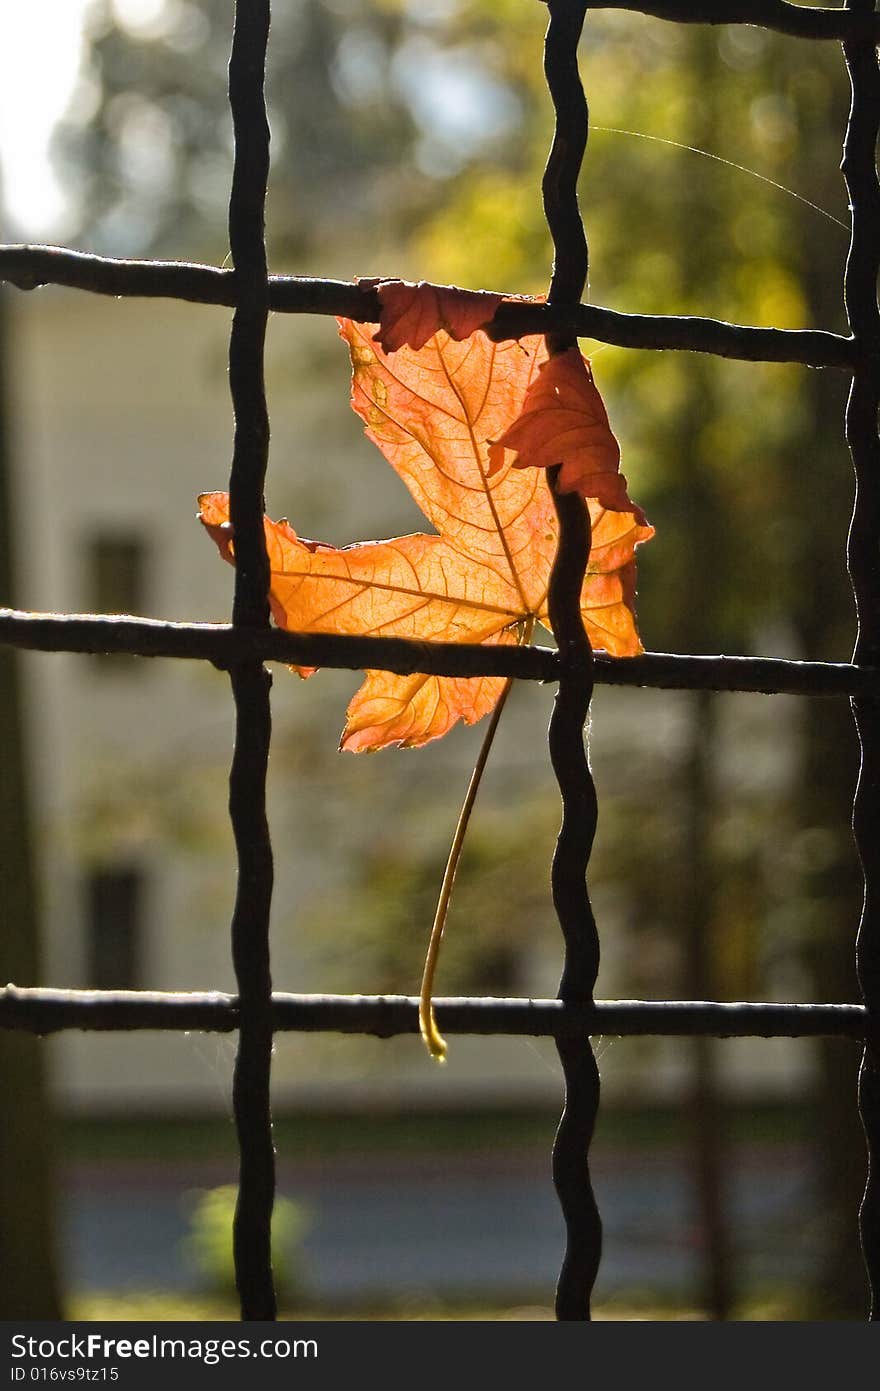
(408, 139)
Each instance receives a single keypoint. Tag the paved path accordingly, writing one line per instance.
(448, 1225)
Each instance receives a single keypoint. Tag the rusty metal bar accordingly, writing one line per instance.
(28, 267)
(571, 1173)
(226, 646)
(46, 1011)
(252, 1242)
(863, 555)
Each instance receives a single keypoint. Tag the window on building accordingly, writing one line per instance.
(116, 582)
(117, 568)
(114, 925)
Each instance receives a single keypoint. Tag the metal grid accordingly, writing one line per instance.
(242, 646)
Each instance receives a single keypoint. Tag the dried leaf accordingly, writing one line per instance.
(432, 412)
(564, 421)
(411, 314)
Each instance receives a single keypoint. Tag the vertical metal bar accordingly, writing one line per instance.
(250, 681)
(863, 556)
(571, 1172)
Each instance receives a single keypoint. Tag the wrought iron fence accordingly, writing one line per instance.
(242, 647)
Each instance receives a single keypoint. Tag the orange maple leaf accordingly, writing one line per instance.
(564, 421)
(483, 577)
(412, 313)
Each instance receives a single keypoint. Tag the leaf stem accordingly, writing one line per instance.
(433, 1039)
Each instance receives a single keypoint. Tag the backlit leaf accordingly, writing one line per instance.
(413, 313)
(483, 576)
(564, 421)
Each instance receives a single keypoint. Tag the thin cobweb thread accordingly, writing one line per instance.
(731, 164)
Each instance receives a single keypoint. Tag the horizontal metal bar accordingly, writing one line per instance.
(227, 646)
(44, 1011)
(28, 267)
(797, 20)
(758, 675)
(678, 333)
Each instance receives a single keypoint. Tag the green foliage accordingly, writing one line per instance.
(209, 1243)
(707, 444)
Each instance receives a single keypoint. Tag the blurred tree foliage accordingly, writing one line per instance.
(500, 908)
(742, 468)
(146, 146)
(711, 186)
